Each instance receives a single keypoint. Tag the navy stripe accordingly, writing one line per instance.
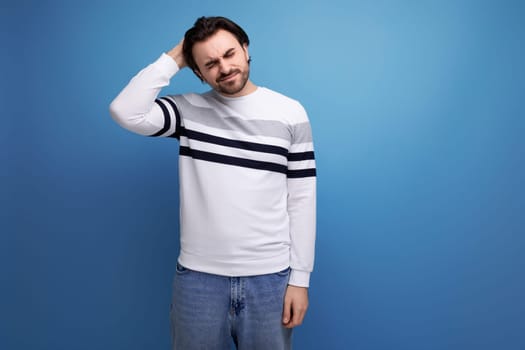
(294, 157)
(293, 174)
(250, 146)
(167, 119)
(220, 158)
(176, 134)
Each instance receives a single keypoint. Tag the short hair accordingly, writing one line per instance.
(204, 28)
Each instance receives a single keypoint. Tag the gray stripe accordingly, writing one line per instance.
(212, 117)
(302, 132)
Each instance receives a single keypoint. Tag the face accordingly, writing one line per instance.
(223, 64)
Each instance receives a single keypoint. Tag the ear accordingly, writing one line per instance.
(245, 48)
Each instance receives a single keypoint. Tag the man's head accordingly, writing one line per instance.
(216, 49)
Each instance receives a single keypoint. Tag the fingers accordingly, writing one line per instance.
(287, 311)
(295, 306)
(177, 54)
(297, 316)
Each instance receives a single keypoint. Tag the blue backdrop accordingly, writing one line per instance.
(418, 119)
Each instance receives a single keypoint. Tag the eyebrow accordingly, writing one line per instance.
(215, 60)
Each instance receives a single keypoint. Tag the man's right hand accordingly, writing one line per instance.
(176, 54)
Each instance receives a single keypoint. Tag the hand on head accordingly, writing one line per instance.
(177, 55)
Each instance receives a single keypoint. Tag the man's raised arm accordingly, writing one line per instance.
(137, 107)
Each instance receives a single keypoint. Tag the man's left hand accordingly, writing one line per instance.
(295, 306)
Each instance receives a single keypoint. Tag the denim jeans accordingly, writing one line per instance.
(211, 312)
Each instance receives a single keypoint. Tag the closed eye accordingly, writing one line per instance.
(229, 53)
(211, 64)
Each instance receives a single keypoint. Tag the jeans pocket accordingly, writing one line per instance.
(180, 270)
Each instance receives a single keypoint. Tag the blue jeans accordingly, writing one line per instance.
(211, 312)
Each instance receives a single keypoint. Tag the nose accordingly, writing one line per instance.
(223, 66)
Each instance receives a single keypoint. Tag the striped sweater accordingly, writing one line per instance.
(246, 172)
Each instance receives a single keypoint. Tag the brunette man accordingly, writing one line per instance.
(247, 192)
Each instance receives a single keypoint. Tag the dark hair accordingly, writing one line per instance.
(205, 27)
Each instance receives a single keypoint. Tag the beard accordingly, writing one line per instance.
(234, 86)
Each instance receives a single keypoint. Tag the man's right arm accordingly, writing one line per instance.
(177, 55)
(137, 107)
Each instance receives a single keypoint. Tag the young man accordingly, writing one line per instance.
(247, 192)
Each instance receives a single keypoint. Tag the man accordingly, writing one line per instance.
(247, 192)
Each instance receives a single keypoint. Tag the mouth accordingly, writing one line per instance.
(227, 77)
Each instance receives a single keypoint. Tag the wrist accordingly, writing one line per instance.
(177, 55)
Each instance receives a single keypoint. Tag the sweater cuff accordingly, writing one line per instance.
(167, 64)
(299, 278)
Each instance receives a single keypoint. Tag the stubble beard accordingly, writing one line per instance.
(232, 87)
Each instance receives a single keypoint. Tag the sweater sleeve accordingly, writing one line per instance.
(302, 203)
(137, 107)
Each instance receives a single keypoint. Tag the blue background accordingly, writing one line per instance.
(418, 118)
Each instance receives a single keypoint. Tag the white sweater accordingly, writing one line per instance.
(247, 174)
